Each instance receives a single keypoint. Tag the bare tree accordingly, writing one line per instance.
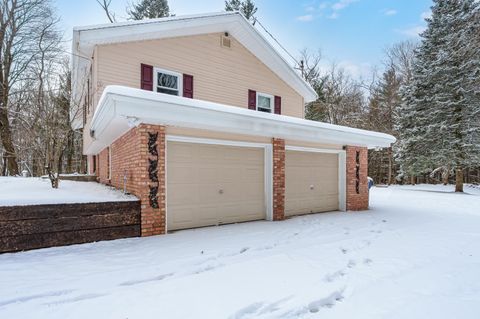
(400, 56)
(22, 23)
(105, 4)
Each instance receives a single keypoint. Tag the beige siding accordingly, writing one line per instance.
(222, 75)
(189, 132)
(313, 145)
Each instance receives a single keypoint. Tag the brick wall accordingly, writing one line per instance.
(278, 179)
(103, 167)
(91, 165)
(129, 167)
(357, 185)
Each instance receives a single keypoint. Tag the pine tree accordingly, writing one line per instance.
(246, 7)
(439, 115)
(149, 9)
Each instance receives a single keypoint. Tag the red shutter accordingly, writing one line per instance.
(188, 86)
(278, 105)
(252, 99)
(146, 78)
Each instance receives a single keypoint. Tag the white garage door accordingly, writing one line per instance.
(311, 182)
(213, 184)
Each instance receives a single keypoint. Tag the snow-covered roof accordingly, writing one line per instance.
(86, 38)
(120, 108)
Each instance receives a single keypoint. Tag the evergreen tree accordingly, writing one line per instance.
(149, 9)
(439, 115)
(246, 7)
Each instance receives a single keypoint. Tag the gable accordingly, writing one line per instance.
(222, 75)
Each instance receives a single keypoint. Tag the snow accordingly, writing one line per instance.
(120, 108)
(36, 191)
(416, 253)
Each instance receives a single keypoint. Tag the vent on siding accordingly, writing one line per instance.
(225, 41)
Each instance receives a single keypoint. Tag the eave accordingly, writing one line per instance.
(121, 108)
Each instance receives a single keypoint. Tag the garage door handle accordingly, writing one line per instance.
(220, 191)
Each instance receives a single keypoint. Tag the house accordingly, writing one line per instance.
(203, 120)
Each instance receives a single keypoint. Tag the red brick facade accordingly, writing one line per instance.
(103, 167)
(357, 184)
(278, 179)
(130, 161)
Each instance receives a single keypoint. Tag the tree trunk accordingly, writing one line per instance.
(458, 180)
(413, 180)
(389, 180)
(446, 175)
(11, 167)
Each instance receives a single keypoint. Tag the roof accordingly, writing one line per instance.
(86, 38)
(120, 108)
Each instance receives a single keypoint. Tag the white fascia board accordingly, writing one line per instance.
(120, 108)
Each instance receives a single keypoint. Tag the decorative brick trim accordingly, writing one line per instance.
(357, 181)
(278, 179)
(130, 157)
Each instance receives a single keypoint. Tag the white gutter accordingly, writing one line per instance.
(120, 108)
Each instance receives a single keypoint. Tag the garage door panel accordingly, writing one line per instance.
(311, 182)
(216, 184)
(206, 175)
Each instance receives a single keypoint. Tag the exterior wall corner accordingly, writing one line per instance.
(278, 179)
(357, 196)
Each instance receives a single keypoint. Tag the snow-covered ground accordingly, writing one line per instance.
(32, 191)
(415, 254)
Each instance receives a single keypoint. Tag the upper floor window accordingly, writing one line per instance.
(168, 82)
(264, 102)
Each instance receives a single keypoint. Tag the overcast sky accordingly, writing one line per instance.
(351, 33)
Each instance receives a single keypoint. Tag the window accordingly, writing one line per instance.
(264, 102)
(168, 82)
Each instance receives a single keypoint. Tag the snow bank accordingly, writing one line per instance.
(35, 191)
(416, 253)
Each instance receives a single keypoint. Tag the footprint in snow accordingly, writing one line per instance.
(351, 263)
(343, 250)
(328, 302)
(248, 311)
(335, 275)
(367, 261)
(259, 308)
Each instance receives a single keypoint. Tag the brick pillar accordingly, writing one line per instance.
(278, 179)
(152, 218)
(103, 167)
(90, 165)
(357, 182)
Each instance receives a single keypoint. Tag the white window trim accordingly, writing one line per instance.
(271, 97)
(178, 75)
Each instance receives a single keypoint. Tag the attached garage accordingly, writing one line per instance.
(312, 181)
(213, 184)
